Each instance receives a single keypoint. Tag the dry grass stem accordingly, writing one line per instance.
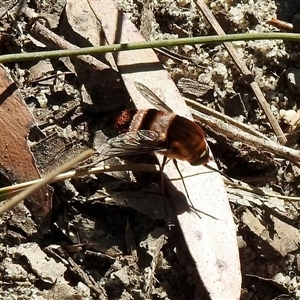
(7, 192)
(250, 188)
(31, 189)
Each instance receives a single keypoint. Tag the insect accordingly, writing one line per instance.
(162, 131)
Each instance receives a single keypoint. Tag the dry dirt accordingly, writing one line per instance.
(108, 236)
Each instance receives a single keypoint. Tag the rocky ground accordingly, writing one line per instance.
(98, 241)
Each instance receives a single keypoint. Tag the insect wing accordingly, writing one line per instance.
(132, 143)
(151, 97)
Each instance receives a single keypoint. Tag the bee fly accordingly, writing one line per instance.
(162, 131)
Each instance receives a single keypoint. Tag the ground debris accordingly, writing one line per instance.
(108, 237)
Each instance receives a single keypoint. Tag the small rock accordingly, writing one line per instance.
(241, 242)
(183, 3)
(46, 268)
(280, 278)
(122, 276)
(293, 79)
(294, 284)
(287, 115)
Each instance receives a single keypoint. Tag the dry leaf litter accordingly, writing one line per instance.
(101, 223)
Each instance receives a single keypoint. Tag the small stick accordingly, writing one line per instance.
(236, 134)
(282, 25)
(24, 194)
(56, 42)
(6, 192)
(259, 191)
(245, 71)
(211, 112)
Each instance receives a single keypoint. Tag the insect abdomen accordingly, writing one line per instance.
(152, 119)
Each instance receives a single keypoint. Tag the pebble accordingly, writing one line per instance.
(280, 278)
(293, 79)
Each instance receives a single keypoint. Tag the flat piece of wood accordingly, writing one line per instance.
(211, 240)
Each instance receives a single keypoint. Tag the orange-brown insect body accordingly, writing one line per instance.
(157, 130)
(182, 138)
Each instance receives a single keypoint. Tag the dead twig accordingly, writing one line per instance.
(259, 191)
(245, 71)
(282, 25)
(40, 183)
(237, 134)
(211, 112)
(54, 41)
(7, 192)
(177, 57)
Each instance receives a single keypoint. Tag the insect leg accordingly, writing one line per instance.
(216, 170)
(196, 211)
(168, 211)
(185, 188)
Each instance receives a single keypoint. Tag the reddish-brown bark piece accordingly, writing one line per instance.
(16, 161)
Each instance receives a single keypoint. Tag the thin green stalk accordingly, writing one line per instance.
(150, 44)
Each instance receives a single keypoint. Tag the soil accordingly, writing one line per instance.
(102, 240)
